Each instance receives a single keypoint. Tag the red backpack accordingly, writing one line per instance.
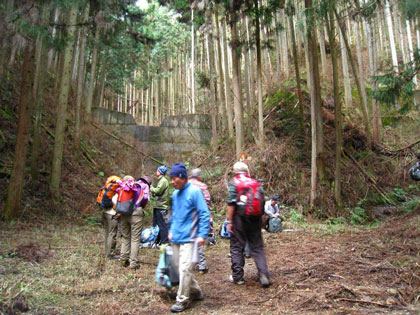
(250, 200)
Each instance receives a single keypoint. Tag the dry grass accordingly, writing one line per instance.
(357, 270)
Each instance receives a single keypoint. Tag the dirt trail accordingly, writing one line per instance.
(313, 272)
(369, 271)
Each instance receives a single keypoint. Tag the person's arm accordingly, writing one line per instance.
(268, 209)
(231, 205)
(203, 218)
(158, 190)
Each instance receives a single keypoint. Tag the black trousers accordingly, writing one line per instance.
(247, 229)
(160, 218)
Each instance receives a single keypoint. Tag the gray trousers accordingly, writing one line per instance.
(202, 263)
(111, 228)
(247, 230)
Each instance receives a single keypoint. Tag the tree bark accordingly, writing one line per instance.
(228, 93)
(391, 36)
(62, 107)
(363, 103)
(39, 84)
(16, 183)
(338, 110)
(297, 71)
(81, 76)
(89, 98)
(259, 79)
(317, 166)
(237, 91)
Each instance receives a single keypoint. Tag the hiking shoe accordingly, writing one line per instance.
(179, 307)
(203, 271)
(264, 280)
(124, 263)
(197, 296)
(134, 266)
(238, 282)
(114, 257)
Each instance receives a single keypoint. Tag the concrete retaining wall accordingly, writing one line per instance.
(177, 136)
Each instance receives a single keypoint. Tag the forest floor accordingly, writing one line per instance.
(58, 268)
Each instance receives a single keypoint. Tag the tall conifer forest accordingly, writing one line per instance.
(320, 98)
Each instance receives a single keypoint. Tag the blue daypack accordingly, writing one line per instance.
(224, 232)
(148, 236)
(166, 275)
(274, 225)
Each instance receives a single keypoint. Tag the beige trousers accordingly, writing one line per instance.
(130, 230)
(182, 260)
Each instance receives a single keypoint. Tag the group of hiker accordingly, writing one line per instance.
(188, 224)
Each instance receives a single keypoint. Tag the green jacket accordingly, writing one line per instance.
(160, 193)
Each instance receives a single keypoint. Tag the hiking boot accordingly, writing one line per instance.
(238, 282)
(134, 266)
(124, 263)
(197, 296)
(179, 307)
(264, 280)
(203, 271)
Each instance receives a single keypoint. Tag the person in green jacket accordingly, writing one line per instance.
(160, 194)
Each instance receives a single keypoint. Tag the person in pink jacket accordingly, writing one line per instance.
(195, 179)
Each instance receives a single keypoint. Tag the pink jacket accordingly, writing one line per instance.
(203, 187)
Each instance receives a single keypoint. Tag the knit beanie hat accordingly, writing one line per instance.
(240, 167)
(162, 169)
(196, 172)
(178, 170)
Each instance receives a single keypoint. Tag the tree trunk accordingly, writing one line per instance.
(338, 112)
(89, 98)
(317, 167)
(228, 93)
(358, 38)
(259, 80)
(251, 64)
(192, 62)
(363, 103)
(348, 98)
(15, 188)
(237, 91)
(220, 90)
(62, 106)
(391, 36)
(81, 76)
(246, 74)
(297, 71)
(283, 35)
(213, 92)
(322, 49)
(38, 90)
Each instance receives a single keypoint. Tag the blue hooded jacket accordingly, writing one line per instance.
(190, 215)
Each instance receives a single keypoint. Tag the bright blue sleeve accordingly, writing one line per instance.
(203, 215)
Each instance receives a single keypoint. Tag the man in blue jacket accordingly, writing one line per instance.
(188, 230)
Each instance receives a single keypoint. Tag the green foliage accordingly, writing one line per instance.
(410, 205)
(410, 9)
(94, 219)
(336, 221)
(394, 86)
(359, 216)
(287, 112)
(296, 217)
